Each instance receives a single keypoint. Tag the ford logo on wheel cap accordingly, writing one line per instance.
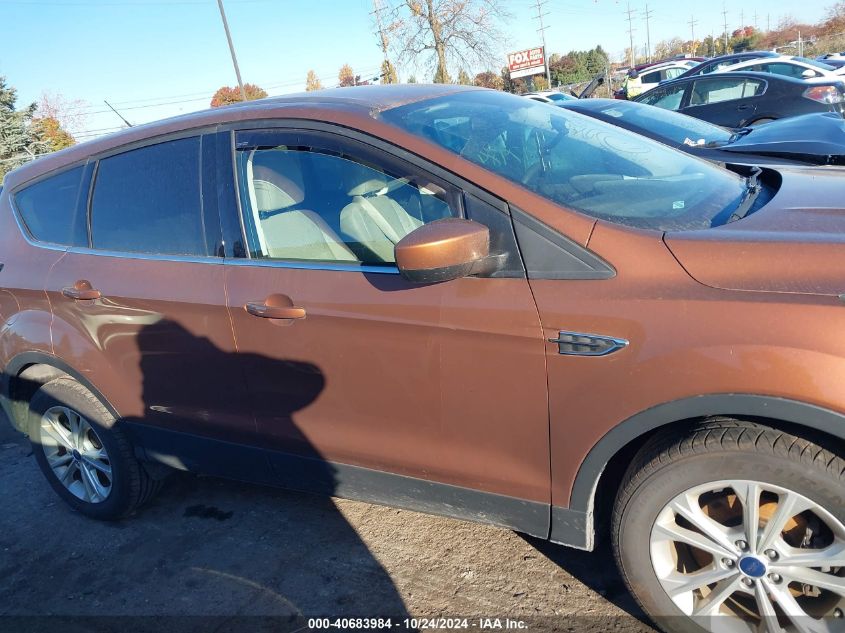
(752, 566)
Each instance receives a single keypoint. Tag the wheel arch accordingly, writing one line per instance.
(608, 458)
(26, 372)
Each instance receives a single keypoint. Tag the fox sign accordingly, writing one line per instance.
(528, 62)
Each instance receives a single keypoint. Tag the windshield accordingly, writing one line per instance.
(581, 163)
(559, 96)
(673, 126)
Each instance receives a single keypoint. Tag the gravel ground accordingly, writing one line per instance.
(228, 551)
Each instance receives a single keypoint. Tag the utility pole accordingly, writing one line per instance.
(800, 45)
(725, 21)
(755, 20)
(647, 17)
(631, 29)
(232, 49)
(768, 22)
(542, 31)
(692, 22)
(128, 124)
(742, 19)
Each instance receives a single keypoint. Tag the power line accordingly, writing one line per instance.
(164, 100)
(542, 31)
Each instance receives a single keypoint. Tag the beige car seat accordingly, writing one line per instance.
(294, 234)
(375, 221)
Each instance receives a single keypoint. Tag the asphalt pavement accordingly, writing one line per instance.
(237, 553)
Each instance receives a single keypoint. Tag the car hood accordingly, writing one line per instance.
(819, 134)
(795, 243)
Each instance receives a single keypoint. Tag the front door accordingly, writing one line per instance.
(349, 364)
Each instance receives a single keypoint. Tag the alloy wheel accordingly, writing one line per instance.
(76, 454)
(741, 556)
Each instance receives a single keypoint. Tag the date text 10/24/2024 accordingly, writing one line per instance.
(417, 624)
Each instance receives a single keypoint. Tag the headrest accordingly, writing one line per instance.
(368, 187)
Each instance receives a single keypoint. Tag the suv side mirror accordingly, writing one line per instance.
(443, 250)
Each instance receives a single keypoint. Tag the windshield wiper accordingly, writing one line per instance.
(743, 131)
(752, 190)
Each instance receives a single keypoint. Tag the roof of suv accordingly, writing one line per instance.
(359, 100)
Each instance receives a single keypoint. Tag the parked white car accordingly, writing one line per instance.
(799, 67)
(651, 77)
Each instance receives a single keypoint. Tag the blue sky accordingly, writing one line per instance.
(158, 58)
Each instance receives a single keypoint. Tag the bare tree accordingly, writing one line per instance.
(449, 32)
(69, 113)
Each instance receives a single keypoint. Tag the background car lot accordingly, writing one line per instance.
(219, 548)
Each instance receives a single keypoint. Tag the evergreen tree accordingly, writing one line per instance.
(20, 141)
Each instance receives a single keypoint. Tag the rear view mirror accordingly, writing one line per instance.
(443, 250)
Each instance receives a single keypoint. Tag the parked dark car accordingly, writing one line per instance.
(811, 139)
(715, 63)
(740, 99)
(453, 300)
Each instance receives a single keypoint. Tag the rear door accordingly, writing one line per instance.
(725, 100)
(354, 372)
(141, 310)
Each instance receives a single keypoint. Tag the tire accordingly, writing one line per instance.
(715, 467)
(103, 478)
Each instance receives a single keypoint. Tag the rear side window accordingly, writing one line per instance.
(53, 209)
(724, 89)
(149, 200)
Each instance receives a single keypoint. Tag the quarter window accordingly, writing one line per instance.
(666, 98)
(148, 200)
(53, 209)
(311, 201)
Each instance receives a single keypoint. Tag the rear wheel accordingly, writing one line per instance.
(736, 527)
(85, 457)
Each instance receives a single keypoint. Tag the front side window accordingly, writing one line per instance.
(148, 200)
(53, 209)
(579, 162)
(304, 200)
(666, 98)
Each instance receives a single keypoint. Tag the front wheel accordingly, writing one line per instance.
(734, 527)
(85, 457)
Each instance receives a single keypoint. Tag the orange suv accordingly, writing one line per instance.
(457, 301)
